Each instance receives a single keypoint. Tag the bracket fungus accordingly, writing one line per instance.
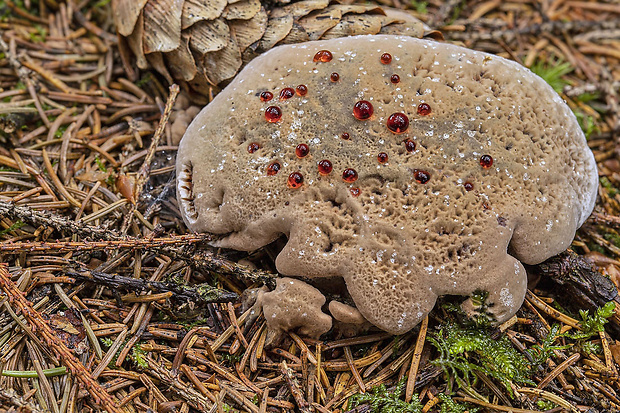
(425, 169)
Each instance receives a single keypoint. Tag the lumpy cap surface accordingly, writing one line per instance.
(491, 170)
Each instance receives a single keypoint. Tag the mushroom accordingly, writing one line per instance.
(293, 305)
(410, 168)
(348, 321)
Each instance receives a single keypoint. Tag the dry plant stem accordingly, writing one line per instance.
(145, 170)
(208, 261)
(33, 217)
(188, 394)
(21, 404)
(294, 388)
(39, 325)
(415, 360)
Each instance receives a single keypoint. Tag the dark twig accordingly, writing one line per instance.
(208, 261)
(131, 243)
(59, 223)
(199, 295)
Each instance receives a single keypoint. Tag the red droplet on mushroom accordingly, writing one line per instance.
(468, 186)
(349, 175)
(395, 79)
(266, 96)
(302, 150)
(398, 122)
(420, 176)
(486, 205)
(287, 93)
(273, 168)
(486, 161)
(334, 77)
(253, 147)
(325, 167)
(345, 136)
(363, 110)
(355, 192)
(302, 90)
(424, 109)
(323, 56)
(386, 58)
(382, 157)
(295, 180)
(273, 114)
(409, 145)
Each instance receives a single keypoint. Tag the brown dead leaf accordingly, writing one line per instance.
(126, 14)
(197, 10)
(162, 25)
(209, 36)
(250, 31)
(243, 10)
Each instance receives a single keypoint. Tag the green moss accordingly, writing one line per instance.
(448, 405)
(39, 35)
(612, 237)
(605, 183)
(543, 404)
(465, 350)
(419, 6)
(15, 226)
(381, 400)
(541, 352)
(588, 126)
(137, 355)
(553, 73)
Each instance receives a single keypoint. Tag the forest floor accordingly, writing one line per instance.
(107, 302)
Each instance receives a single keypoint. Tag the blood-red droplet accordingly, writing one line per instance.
(302, 90)
(355, 192)
(486, 205)
(345, 136)
(468, 186)
(349, 175)
(363, 110)
(398, 122)
(323, 56)
(334, 77)
(287, 93)
(253, 147)
(295, 179)
(266, 96)
(424, 109)
(273, 168)
(273, 114)
(382, 157)
(420, 176)
(325, 167)
(409, 145)
(395, 79)
(386, 58)
(302, 150)
(486, 161)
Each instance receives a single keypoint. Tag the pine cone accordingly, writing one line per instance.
(201, 44)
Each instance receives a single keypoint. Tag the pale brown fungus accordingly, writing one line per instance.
(415, 231)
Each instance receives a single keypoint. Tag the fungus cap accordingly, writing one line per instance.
(491, 170)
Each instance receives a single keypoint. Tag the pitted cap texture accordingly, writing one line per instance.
(434, 170)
